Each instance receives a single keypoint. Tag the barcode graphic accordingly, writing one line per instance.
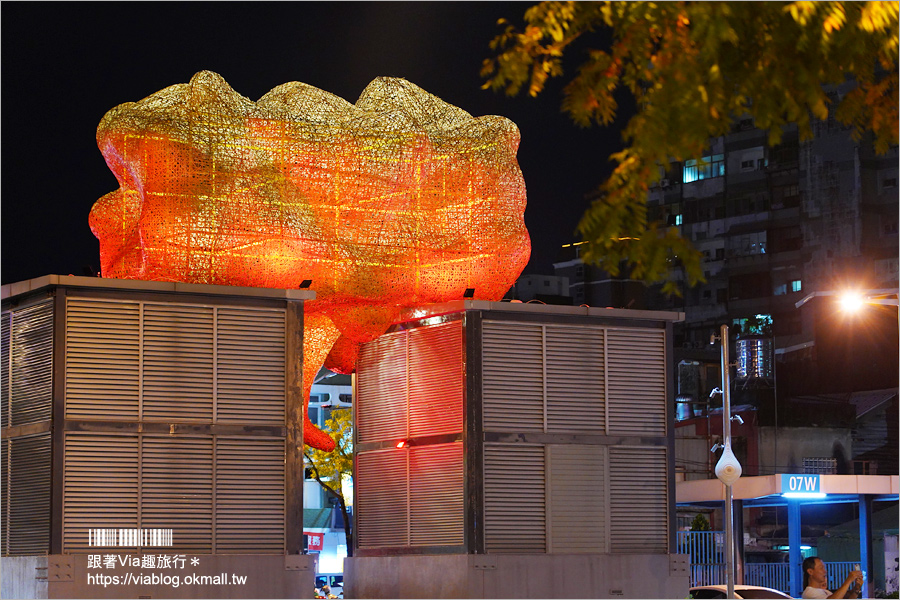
(129, 537)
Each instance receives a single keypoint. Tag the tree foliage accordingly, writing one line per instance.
(694, 68)
(330, 468)
(700, 523)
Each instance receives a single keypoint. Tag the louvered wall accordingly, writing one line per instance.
(28, 502)
(638, 509)
(250, 366)
(4, 489)
(575, 497)
(179, 483)
(250, 503)
(176, 363)
(436, 494)
(5, 361)
(410, 386)
(31, 369)
(411, 496)
(395, 401)
(382, 517)
(100, 486)
(103, 360)
(636, 373)
(167, 362)
(513, 385)
(515, 505)
(562, 378)
(26, 353)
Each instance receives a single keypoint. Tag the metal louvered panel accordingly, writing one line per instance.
(382, 519)
(250, 357)
(639, 505)
(575, 392)
(4, 489)
(514, 499)
(100, 486)
(102, 359)
(177, 362)
(436, 489)
(176, 489)
(29, 495)
(249, 505)
(436, 379)
(32, 363)
(513, 379)
(636, 381)
(578, 504)
(381, 406)
(5, 360)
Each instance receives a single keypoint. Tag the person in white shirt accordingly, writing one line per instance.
(815, 580)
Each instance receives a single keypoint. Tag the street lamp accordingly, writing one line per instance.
(728, 469)
(853, 300)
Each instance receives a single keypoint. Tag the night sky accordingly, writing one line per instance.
(65, 64)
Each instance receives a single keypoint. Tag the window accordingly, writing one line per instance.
(579, 271)
(796, 286)
(720, 253)
(747, 244)
(679, 219)
(721, 295)
(889, 183)
(747, 165)
(706, 168)
(780, 290)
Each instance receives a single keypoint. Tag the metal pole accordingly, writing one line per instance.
(726, 432)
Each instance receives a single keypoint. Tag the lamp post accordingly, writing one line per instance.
(728, 469)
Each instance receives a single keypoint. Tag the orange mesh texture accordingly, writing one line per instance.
(397, 201)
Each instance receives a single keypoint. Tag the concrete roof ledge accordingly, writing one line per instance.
(748, 488)
(31, 285)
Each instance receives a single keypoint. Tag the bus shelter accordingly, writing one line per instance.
(794, 491)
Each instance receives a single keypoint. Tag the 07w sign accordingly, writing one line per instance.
(801, 484)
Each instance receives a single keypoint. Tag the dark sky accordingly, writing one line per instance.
(64, 64)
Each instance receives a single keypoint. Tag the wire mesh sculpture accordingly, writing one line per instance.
(397, 201)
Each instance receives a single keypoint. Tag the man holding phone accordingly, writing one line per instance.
(815, 580)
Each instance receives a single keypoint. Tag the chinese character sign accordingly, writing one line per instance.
(396, 201)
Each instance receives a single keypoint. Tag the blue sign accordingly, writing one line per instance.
(801, 484)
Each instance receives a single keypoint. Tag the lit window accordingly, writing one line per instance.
(679, 219)
(796, 286)
(705, 168)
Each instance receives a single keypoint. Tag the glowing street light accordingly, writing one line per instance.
(851, 301)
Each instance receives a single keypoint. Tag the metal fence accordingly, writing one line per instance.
(708, 564)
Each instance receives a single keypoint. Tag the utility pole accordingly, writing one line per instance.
(728, 469)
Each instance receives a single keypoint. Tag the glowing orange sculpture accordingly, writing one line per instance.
(397, 201)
